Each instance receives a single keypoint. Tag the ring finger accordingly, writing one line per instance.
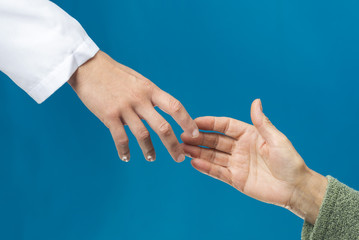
(142, 135)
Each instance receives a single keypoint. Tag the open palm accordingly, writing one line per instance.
(258, 160)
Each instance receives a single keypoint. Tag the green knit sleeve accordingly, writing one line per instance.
(338, 216)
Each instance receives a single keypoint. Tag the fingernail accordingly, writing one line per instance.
(125, 159)
(260, 104)
(181, 158)
(150, 158)
(195, 133)
(188, 155)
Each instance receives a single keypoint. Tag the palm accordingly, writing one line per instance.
(254, 168)
(242, 157)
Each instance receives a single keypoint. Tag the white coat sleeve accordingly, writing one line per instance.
(41, 46)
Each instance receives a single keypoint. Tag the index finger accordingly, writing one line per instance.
(173, 107)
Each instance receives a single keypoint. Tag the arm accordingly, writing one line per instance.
(338, 216)
(119, 96)
(43, 47)
(261, 162)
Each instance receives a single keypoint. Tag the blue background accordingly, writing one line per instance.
(60, 177)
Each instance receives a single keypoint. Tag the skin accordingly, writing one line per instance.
(119, 96)
(258, 160)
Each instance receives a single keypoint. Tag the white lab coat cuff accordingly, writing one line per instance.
(63, 72)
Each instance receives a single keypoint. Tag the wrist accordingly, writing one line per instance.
(85, 71)
(308, 196)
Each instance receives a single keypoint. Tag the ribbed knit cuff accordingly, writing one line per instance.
(338, 216)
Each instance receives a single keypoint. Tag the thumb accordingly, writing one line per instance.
(264, 126)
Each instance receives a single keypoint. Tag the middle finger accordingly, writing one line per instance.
(164, 131)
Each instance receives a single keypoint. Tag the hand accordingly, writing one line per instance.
(258, 161)
(119, 96)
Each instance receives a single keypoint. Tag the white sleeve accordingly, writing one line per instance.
(41, 46)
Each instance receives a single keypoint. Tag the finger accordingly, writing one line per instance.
(213, 170)
(121, 140)
(209, 155)
(142, 135)
(172, 106)
(164, 131)
(212, 140)
(228, 126)
(264, 126)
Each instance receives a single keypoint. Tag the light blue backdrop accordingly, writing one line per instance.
(60, 177)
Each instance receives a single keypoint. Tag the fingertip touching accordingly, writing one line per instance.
(187, 138)
(174, 107)
(205, 123)
(195, 132)
(189, 126)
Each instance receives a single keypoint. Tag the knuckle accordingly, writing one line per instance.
(106, 122)
(111, 114)
(175, 105)
(138, 96)
(165, 129)
(124, 106)
(143, 134)
(123, 141)
(148, 84)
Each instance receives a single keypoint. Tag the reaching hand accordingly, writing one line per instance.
(257, 160)
(119, 96)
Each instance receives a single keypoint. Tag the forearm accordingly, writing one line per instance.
(308, 196)
(42, 46)
(338, 217)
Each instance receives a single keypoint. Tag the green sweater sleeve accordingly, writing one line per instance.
(338, 216)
